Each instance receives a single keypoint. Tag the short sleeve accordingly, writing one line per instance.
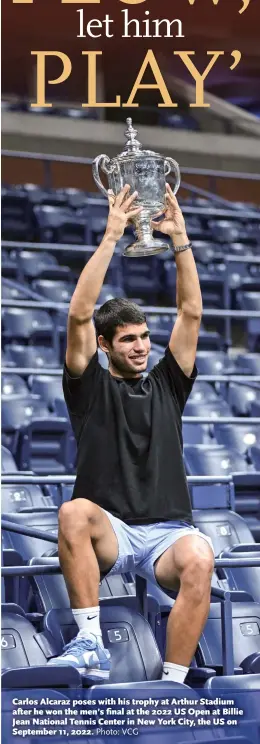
(180, 385)
(79, 392)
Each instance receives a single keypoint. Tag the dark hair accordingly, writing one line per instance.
(114, 313)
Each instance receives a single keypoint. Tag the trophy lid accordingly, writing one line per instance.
(133, 147)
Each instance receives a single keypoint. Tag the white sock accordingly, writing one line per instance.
(174, 672)
(88, 619)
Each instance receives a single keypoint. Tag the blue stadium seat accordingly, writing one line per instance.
(142, 278)
(196, 433)
(56, 291)
(228, 231)
(204, 459)
(203, 391)
(247, 579)
(13, 385)
(33, 325)
(108, 292)
(44, 519)
(254, 453)
(48, 388)
(8, 263)
(212, 409)
(160, 327)
(8, 463)
(225, 527)
(15, 292)
(17, 223)
(60, 225)
(214, 363)
(248, 300)
(32, 356)
(95, 217)
(237, 437)
(248, 364)
(241, 398)
(18, 498)
(39, 441)
(136, 658)
(40, 264)
(17, 412)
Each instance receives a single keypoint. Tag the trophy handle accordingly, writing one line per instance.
(172, 165)
(107, 167)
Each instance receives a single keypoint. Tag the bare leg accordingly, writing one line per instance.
(188, 566)
(87, 544)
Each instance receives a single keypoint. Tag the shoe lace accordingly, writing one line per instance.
(80, 645)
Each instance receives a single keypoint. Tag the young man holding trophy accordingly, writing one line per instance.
(130, 509)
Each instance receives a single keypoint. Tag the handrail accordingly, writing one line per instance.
(69, 248)
(42, 569)
(149, 309)
(38, 372)
(88, 161)
(18, 478)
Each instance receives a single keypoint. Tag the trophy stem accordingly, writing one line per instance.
(146, 244)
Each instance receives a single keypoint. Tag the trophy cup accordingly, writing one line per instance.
(146, 172)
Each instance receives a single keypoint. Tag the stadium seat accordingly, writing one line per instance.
(16, 215)
(212, 459)
(237, 437)
(17, 498)
(212, 409)
(108, 292)
(214, 363)
(14, 291)
(33, 325)
(247, 579)
(8, 263)
(13, 385)
(195, 433)
(248, 364)
(43, 519)
(17, 412)
(248, 300)
(228, 231)
(135, 658)
(8, 463)
(56, 291)
(39, 441)
(48, 388)
(241, 397)
(203, 391)
(32, 356)
(60, 225)
(35, 264)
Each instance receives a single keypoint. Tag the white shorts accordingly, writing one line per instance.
(140, 545)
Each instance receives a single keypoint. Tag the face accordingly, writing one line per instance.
(129, 350)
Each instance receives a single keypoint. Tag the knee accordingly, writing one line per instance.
(75, 517)
(196, 577)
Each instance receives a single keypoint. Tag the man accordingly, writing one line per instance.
(130, 508)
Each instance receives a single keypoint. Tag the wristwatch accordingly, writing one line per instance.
(180, 248)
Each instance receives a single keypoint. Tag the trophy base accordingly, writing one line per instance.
(145, 248)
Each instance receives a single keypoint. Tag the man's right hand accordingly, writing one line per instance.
(120, 212)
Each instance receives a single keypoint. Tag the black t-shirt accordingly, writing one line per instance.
(129, 440)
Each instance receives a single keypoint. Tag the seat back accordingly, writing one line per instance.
(223, 526)
(128, 636)
(45, 520)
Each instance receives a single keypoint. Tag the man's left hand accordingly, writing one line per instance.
(172, 223)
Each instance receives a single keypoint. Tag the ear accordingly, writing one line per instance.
(104, 345)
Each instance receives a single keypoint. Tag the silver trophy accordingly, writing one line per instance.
(146, 172)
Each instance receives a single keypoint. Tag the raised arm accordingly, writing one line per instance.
(184, 337)
(81, 335)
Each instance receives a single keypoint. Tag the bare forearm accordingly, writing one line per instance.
(91, 280)
(188, 292)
